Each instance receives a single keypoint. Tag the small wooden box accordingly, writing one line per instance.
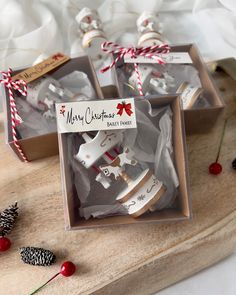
(47, 145)
(199, 120)
(182, 209)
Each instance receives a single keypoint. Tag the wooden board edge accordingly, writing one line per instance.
(177, 263)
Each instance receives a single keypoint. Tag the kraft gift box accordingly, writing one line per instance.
(197, 120)
(182, 205)
(47, 144)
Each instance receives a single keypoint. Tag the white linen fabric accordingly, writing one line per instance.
(30, 28)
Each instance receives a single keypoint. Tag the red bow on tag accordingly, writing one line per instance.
(124, 107)
(62, 110)
(57, 56)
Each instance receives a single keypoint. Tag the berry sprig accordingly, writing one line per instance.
(216, 168)
(67, 269)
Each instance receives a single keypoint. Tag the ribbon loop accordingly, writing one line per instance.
(153, 52)
(19, 85)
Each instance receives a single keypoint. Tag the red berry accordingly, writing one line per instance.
(67, 269)
(5, 244)
(215, 168)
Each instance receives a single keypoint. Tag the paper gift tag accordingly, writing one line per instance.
(96, 115)
(171, 57)
(40, 69)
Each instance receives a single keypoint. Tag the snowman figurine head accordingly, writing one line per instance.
(88, 20)
(147, 22)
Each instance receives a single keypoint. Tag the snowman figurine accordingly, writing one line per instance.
(92, 37)
(149, 29)
(88, 20)
(90, 28)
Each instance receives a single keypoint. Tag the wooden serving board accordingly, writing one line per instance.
(127, 259)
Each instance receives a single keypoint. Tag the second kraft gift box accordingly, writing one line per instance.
(58, 78)
(183, 73)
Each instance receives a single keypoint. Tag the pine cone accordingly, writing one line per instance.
(234, 164)
(7, 219)
(37, 256)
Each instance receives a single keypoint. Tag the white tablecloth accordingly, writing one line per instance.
(32, 27)
(216, 280)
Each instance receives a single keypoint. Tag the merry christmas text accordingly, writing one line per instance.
(88, 117)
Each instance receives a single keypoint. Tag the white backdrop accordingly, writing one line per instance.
(32, 27)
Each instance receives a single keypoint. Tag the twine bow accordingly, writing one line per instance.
(152, 52)
(20, 86)
(13, 85)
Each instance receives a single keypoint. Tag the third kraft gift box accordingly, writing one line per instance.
(116, 169)
(56, 79)
(183, 73)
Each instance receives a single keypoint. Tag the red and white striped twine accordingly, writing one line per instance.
(152, 52)
(20, 86)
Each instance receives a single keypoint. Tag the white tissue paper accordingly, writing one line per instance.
(172, 74)
(160, 80)
(152, 145)
(34, 122)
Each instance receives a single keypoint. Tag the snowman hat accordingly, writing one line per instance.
(85, 12)
(145, 15)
